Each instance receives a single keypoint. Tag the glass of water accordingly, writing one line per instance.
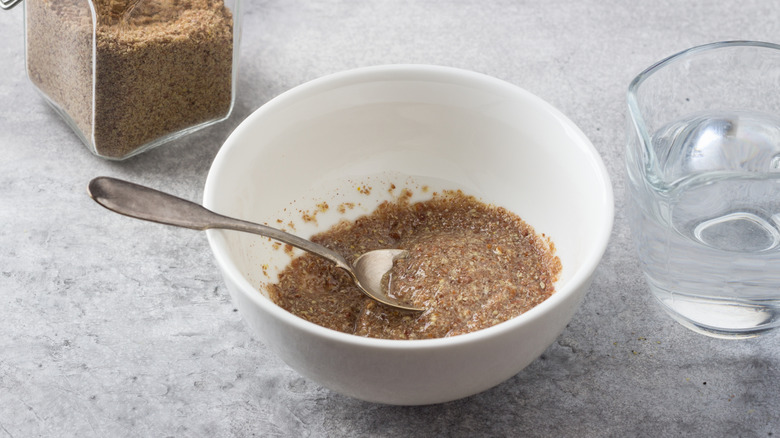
(703, 165)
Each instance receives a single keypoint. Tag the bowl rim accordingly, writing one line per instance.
(408, 72)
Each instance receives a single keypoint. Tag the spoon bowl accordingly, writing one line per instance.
(148, 204)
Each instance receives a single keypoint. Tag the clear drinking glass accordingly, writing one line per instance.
(129, 75)
(703, 164)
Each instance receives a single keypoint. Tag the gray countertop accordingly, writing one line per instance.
(114, 327)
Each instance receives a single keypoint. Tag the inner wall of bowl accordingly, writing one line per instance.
(347, 145)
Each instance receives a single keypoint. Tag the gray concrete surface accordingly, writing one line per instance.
(111, 327)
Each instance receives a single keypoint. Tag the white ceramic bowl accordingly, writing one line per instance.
(339, 137)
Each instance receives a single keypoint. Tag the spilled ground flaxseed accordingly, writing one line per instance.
(471, 266)
(160, 66)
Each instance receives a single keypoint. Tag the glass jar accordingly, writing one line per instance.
(130, 75)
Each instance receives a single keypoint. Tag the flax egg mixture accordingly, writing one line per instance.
(470, 266)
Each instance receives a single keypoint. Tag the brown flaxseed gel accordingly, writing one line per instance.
(160, 66)
(470, 266)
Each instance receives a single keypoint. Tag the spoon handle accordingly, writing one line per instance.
(145, 203)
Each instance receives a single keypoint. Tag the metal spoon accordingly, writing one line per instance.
(141, 202)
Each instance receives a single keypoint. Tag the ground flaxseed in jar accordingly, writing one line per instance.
(470, 266)
(134, 72)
